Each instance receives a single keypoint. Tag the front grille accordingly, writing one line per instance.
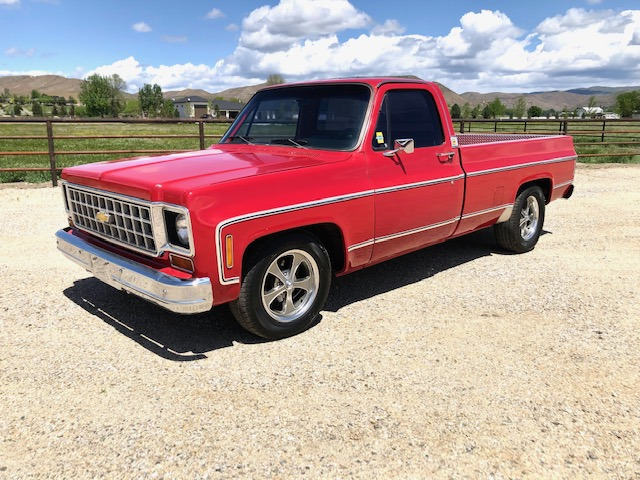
(125, 221)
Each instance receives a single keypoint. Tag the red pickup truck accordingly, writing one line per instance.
(312, 180)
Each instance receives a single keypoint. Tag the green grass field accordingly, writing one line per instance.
(616, 132)
(24, 129)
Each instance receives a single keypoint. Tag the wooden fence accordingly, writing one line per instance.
(619, 137)
(53, 153)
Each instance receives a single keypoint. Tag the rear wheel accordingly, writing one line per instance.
(285, 287)
(521, 232)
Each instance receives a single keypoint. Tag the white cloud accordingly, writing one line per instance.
(213, 14)
(232, 27)
(9, 2)
(390, 27)
(484, 52)
(19, 52)
(172, 77)
(270, 29)
(141, 27)
(486, 49)
(594, 2)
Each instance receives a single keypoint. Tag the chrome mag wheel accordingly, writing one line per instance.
(529, 218)
(290, 285)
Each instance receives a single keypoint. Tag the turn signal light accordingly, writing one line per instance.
(181, 263)
(229, 250)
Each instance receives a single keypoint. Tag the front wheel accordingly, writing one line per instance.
(285, 288)
(521, 232)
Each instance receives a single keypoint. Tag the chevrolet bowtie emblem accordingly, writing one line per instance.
(103, 217)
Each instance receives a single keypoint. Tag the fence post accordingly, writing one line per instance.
(52, 154)
(495, 126)
(201, 130)
(461, 126)
(525, 126)
(565, 127)
(604, 124)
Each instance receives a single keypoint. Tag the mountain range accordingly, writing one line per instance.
(558, 100)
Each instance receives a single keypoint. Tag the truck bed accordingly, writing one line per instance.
(465, 139)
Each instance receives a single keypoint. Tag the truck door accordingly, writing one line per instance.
(419, 195)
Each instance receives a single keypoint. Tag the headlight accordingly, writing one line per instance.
(182, 229)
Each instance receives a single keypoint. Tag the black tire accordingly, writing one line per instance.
(278, 300)
(521, 232)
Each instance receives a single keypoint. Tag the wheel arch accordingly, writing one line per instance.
(543, 182)
(329, 235)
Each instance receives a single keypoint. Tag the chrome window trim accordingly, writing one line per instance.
(157, 209)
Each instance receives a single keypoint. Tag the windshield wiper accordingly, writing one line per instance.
(291, 141)
(243, 139)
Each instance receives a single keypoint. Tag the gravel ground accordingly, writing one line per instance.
(458, 361)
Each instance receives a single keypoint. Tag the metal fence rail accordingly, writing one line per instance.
(586, 132)
(595, 133)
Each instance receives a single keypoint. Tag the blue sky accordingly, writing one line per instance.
(490, 45)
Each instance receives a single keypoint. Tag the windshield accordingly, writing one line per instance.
(320, 116)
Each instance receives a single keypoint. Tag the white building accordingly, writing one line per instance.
(589, 112)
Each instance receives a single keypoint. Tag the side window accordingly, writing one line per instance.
(408, 114)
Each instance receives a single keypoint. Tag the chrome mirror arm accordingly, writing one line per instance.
(406, 145)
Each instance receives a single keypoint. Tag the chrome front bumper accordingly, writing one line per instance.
(174, 294)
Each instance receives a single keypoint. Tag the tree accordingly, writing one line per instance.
(592, 101)
(496, 108)
(35, 94)
(36, 109)
(455, 111)
(72, 101)
(520, 108)
(5, 95)
(486, 112)
(151, 101)
(17, 109)
(169, 109)
(54, 110)
(102, 96)
(627, 103)
(63, 109)
(466, 111)
(216, 110)
(475, 112)
(275, 79)
(534, 111)
(132, 108)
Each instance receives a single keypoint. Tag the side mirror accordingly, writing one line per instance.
(406, 145)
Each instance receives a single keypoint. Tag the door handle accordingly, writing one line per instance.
(445, 157)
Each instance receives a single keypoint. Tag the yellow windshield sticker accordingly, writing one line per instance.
(379, 138)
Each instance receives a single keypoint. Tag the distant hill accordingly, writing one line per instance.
(188, 92)
(574, 98)
(579, 97)
(49, 84)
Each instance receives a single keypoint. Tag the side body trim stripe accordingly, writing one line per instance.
(367, 193)
(563, 184)
(521, 165)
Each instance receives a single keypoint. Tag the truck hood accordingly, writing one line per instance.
(169, 177)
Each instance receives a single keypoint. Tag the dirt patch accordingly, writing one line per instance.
(455, 361)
